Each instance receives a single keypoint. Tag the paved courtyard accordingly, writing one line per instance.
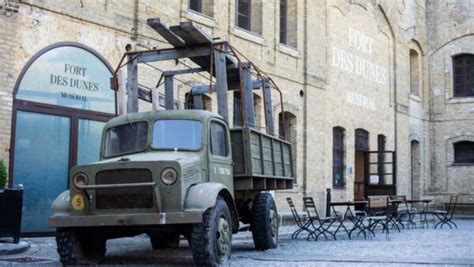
(453, 247)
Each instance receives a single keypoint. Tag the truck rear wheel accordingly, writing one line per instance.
(265, 222)
(75, 249)
(211, 241)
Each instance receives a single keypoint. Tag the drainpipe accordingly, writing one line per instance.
(305, 96)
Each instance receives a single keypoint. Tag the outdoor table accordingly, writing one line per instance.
(424, 210)
(348, 214)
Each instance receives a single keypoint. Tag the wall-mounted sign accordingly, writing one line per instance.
(374, 179)
(69, 76)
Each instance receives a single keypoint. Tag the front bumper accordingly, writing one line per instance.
(125, 219)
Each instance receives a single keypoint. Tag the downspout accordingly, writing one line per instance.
(305, 95)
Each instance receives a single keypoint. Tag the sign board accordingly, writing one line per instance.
(374, 179)
(69, 76)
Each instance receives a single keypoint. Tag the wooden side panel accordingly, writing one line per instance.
(267, 156)
(238, 152)
(287, 160)
(277, 153)
(255, 153)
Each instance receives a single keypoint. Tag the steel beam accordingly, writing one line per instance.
(170, 54)
(169, 98)
(221, 84)
(132, 85)
(267, 98)
(182, 71)
(165, 32)
(248, 97)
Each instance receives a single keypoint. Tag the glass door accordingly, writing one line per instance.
(41, 157)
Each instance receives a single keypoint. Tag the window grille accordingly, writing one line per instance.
(463, 75)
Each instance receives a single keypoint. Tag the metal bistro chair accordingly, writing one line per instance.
(378, 214)
(302, 222)
(446, 216)
(403, 211)
(320, 224)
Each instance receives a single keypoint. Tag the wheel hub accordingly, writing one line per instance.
(274, 224)
(223, 237)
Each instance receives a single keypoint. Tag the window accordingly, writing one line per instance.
(381, 140)
(338, 150)
(218, 139)
(464, 152)
(205, 7)
(177, 134)
(249, 15)
(414, 73)
(243, 14)
(463, 77)
(127, 138)
(283, 21)
(195, 5)
(361, 140)
(288, 22)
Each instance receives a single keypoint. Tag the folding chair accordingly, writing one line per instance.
(320, 224)
(302, 222)
(378, 214)
(403, 211)
(446, 216)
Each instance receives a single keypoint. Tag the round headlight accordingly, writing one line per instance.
(80, 180)
(169, 176)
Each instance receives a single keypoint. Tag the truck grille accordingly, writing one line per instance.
(124, 198)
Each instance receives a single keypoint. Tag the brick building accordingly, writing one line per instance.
(357, 76)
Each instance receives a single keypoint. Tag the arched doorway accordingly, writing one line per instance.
(62, 99)
(360, 163)
(415, 170)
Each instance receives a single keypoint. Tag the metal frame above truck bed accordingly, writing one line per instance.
(261, 161)
(222, 61)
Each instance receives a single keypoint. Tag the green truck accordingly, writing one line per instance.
(174, 173)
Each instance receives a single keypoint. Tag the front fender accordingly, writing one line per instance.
(203, 196)
(61, 205)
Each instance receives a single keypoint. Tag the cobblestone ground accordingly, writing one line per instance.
(454, 247)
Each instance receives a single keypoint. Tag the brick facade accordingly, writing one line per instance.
(347, 64)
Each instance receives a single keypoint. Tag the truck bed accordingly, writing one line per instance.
(261, 161)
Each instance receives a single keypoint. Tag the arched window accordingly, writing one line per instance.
(414, 73)
(463, 75)
(361, 140)
(338, 156)
(287, 130)
(464, 152)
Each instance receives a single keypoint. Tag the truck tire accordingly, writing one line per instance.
(265, 222)
(74, 250)
(164, 240)
(211, 240)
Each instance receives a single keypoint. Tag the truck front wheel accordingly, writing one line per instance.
(75, 249)
(211, 241)
(265, 222)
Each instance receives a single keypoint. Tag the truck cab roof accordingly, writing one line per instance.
(189, 114)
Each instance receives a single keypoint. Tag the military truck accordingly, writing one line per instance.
(172, 173)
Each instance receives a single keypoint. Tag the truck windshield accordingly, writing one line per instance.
(177, 134)
(126, 138)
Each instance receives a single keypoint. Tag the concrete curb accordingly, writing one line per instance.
(11, 248)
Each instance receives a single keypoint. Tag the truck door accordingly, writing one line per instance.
(220, 156)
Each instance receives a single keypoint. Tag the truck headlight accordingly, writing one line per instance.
(169, 176)
(80, 180)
